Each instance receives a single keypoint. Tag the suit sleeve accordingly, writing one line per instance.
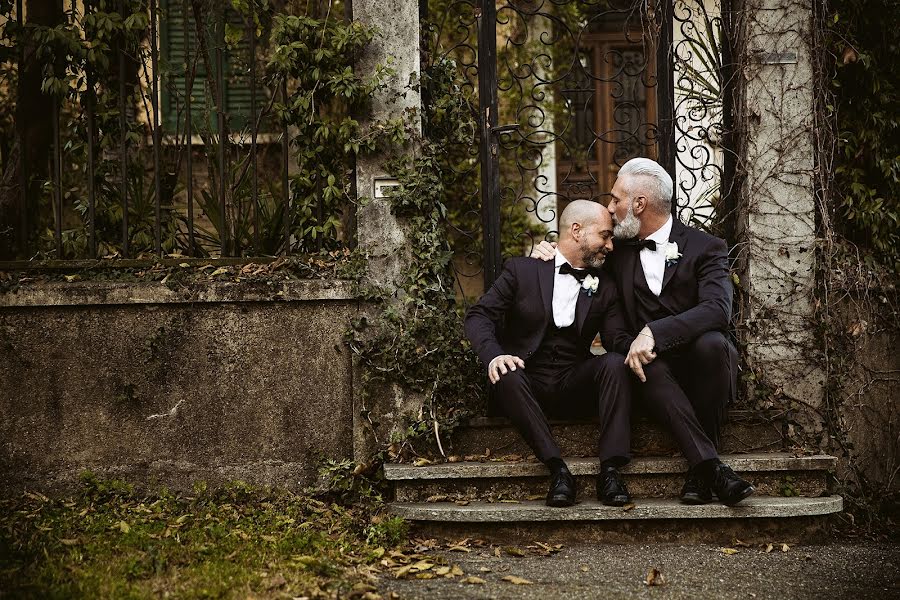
(613, 332)
(486, 316)
(713, 309)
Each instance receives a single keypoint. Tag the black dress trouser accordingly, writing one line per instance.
(599, 385)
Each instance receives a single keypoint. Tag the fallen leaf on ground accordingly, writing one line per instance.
(458, 549)
(421, 462)
(769, 548)
(654, 577)
(517, 580)
(584, 568)
(628, 507)
(497, 552)
(785, 547)
(473, 579)
(485, 570)
(535, 497)
(436, 498)
(513, 551)
(738, 543)
(462, 502)
(68, 542)
(729, 551)
(442, 571)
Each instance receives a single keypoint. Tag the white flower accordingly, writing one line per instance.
(672, 253)
(590, 283)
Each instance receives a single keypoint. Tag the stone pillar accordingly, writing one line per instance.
(380, 235)
(379, 413)
(776, 123)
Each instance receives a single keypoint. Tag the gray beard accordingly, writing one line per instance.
(628, 227)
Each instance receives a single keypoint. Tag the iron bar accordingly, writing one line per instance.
(20, 131)
(665, 93)
(123, 148)
(154, 103)
(220, 125)
(91, 158)
(489, 143)
(57, 179)
(286, 196)
(255, 131)
(188, 128)
(727, 211)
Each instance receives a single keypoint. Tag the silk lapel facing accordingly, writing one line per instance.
(679, 236)
(546, 273)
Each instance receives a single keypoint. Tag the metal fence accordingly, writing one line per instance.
(143, 95)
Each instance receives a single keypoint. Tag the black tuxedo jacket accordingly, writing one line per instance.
(696, 289)
(513, 315)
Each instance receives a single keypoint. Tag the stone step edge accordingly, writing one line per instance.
(736, 417)
(746, 463)
(592, 510)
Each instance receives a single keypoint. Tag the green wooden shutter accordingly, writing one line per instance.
(173, 50)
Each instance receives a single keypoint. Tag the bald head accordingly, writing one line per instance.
(584, 213)
(585, 233)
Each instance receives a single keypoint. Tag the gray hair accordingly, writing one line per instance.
(656, 178)
(583, 212)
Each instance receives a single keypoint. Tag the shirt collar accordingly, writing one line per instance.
(661, 235)
(560, 260)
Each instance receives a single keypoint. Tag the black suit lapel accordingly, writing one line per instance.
(546, 275)
(582, 308)
(679, 236)
(626, 262)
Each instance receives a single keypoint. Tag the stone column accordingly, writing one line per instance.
(776, 123)
(382, 237)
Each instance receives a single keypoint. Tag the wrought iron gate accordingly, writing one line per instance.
(568, 90)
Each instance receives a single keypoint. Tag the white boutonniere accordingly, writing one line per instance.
(590, 283)
(671, 252)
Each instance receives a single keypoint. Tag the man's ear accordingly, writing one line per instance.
(639, 203)
(576, 231)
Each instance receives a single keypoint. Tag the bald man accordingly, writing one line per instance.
(533, 331)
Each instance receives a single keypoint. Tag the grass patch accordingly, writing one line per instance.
(107, 541)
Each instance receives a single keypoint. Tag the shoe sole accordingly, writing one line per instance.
(619, 501)
(745, 493)
(694, 500)
(560, 502)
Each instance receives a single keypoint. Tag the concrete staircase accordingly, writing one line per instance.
(491, 487)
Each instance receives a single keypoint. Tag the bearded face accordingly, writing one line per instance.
(628, 227)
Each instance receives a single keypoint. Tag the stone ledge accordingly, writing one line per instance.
(592, 510)
(746, 463)
(88, 293)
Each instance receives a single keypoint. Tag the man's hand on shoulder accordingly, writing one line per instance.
(641, 353)
(502, 365)
(544, 251)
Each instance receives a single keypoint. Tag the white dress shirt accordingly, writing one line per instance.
(565, 294)
(654, 261)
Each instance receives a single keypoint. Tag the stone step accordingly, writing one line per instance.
(592, 510)
(773, 474)
(744, 431)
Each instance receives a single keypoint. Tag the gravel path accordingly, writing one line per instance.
(838, 570)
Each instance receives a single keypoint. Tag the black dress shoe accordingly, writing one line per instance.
(695, 490)
(562, 489)
(730, 488)
(611, 488)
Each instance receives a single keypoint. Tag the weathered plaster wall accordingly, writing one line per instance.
(253, 384)
(778, 163)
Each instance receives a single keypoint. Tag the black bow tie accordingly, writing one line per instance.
(579, 274)
(641, 244)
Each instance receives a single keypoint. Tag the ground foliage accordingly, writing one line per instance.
(109, 541)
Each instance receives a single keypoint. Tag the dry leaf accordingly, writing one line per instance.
(68, 542)
(535, 497)
(473, 579)
(584, 568)
(517, 580)
(462, 502)
(123, 526)
(421, 462)
(738, 543)
(628, 507)
(654, 577)
(729, 551)
(769, 548)
(513, 551)
(423, 565)
(785, 547)
(437, 498)
(458, 549)
(455, 571)
(402, 571)
(442, 571)
(497, 552)
(428, 575)
(454, 458)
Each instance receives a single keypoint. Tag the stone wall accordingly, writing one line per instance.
(211, 382)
